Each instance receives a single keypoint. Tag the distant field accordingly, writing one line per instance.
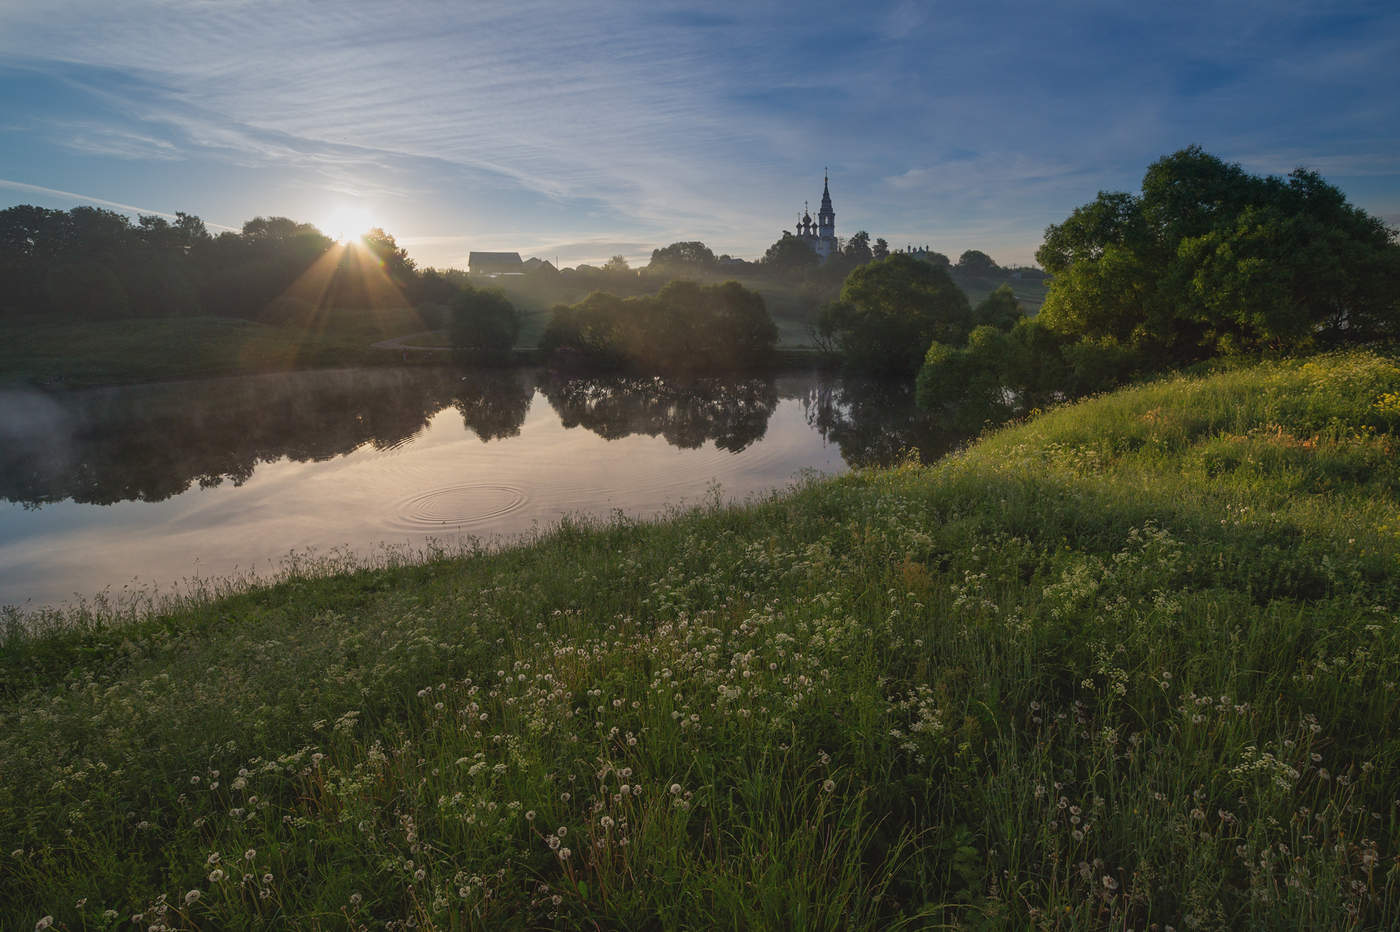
(78, 353)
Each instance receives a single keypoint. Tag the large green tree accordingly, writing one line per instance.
(890, 311)
(1211, 259)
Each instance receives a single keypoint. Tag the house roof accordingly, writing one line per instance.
(494, 262)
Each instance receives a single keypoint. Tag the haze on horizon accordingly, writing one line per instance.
(585, 130)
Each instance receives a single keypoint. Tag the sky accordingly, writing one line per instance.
(583, 129)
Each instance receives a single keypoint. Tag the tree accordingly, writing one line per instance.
(858, 249)
(392, 257)
(881, 250)
(483, 321)
(790, 255)
(1210, 259)
(690, 256)
(999, 309)
(685, 326)
(889, 313)
(976, 262)
(617, 264)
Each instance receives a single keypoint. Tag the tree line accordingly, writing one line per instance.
(1206, 261)
(91, 264)
(684, 326)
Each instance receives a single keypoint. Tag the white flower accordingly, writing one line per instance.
(192, 897)
(675, 789)
(829, 786)
(565, 854)
(44, 923)
(216, 875)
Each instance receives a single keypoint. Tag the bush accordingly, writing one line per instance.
(483, 322)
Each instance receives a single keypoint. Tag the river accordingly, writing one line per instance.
(123, 492)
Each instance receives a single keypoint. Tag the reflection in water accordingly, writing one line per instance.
(875, 422)
(732, 412)
(150, 442)
(493, 402)
(227, 476)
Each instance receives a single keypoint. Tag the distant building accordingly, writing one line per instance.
(538, 265)
(821, 236)
(495, 263)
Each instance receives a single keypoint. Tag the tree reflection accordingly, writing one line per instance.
(875, 422)
(732, 412)
(149, 443)
(493, 402)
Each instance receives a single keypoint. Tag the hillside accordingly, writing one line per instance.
(1133, 662)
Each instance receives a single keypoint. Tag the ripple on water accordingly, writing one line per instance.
(456, 506)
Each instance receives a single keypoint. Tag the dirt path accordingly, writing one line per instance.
(397, 343)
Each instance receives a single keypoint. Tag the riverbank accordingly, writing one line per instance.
(58, 356)
(1133, 662)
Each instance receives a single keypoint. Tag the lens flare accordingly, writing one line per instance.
(347, 222)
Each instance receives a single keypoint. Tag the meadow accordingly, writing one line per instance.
(1131, 664)
(81, 353)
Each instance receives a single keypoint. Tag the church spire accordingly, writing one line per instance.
(826, 216)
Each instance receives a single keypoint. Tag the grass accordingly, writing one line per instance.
(1133, 663)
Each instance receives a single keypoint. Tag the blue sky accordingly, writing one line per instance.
(585, 129)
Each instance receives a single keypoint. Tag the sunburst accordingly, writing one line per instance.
(347, 222)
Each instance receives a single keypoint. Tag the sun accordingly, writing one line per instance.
(346, 222)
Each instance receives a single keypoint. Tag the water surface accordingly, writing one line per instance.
(150, 486)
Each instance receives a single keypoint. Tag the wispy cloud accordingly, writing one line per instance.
(531, 121)
(115, 142)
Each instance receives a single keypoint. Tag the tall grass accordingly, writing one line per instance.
(1132, 663)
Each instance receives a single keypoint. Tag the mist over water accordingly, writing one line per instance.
(146, 486)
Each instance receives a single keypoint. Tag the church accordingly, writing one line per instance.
(821, 236)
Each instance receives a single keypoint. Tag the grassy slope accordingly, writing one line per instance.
(1133, 662)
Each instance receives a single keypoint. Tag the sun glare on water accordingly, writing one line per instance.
(346, 223)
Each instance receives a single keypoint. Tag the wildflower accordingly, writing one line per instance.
(216, 875)
(213, 859)
(354, 899)
(829, 786)
(565, 854)
(250, 854)
(267, 878)
(530, 816)
(44, 923)
(192, 897)
(675, 789)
